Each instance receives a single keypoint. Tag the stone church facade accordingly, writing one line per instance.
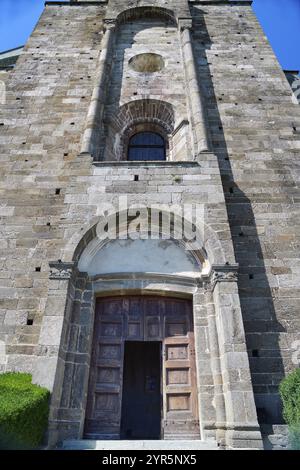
(173, 103)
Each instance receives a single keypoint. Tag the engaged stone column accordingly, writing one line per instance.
(50, 340)
(48, 371)
(216, 367)
(95, 112)
(195, 95)
(241, 429)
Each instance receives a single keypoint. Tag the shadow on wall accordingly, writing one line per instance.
(261, 325)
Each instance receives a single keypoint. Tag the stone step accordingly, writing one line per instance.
(87, 444)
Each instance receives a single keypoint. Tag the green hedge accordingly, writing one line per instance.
(24, 409)
(290, 396)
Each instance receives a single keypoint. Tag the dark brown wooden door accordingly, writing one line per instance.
(179, 373)
(142, 319)
(104, 395)
(180, 396)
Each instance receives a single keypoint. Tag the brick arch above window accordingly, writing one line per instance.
(148, 12)
(138, 116)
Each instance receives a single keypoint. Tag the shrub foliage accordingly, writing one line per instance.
(290, 396)
(24, 409)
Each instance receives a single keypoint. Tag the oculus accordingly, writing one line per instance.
(147, 63)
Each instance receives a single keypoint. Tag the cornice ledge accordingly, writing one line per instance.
(221, 2)
(77, 2)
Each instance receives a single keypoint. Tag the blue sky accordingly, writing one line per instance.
(279, 18)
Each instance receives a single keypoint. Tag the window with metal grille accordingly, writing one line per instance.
(146, 146)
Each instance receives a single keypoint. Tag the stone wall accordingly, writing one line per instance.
(42, 123)
(50, 193)
(275, 437)
(254, 123)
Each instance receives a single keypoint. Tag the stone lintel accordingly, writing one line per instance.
(184, 280)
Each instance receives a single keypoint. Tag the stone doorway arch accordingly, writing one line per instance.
(221, 360)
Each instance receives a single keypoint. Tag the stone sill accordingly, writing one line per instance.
(77, 3)
(127, 164)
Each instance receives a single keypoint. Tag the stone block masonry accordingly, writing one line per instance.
(253, 120)
(43, 120)
(248, 182)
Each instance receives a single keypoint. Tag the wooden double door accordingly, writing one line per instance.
(143, 376)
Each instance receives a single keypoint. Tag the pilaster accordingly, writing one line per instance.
(195, 94)
(94, 117)
(241, 428)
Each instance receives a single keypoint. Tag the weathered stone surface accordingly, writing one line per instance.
(52, 196)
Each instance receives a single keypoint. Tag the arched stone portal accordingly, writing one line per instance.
(128, 397)
(116, 298)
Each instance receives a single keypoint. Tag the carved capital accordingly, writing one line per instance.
(224, 276)
(60, 270)
(185, 23)
(109, 23)
(221, 273)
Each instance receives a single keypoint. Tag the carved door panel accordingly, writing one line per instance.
(153, 315)
(134, 321)
(142, 319)
(106, 372)
(179, 374)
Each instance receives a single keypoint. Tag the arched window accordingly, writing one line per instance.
(146, 146)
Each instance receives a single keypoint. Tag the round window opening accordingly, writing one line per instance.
(147, 63)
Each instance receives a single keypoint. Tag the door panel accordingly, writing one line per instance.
(179, 373)
(104, 395)
(180, 391)
(153, 314)
(142, 319)
(134, 319)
